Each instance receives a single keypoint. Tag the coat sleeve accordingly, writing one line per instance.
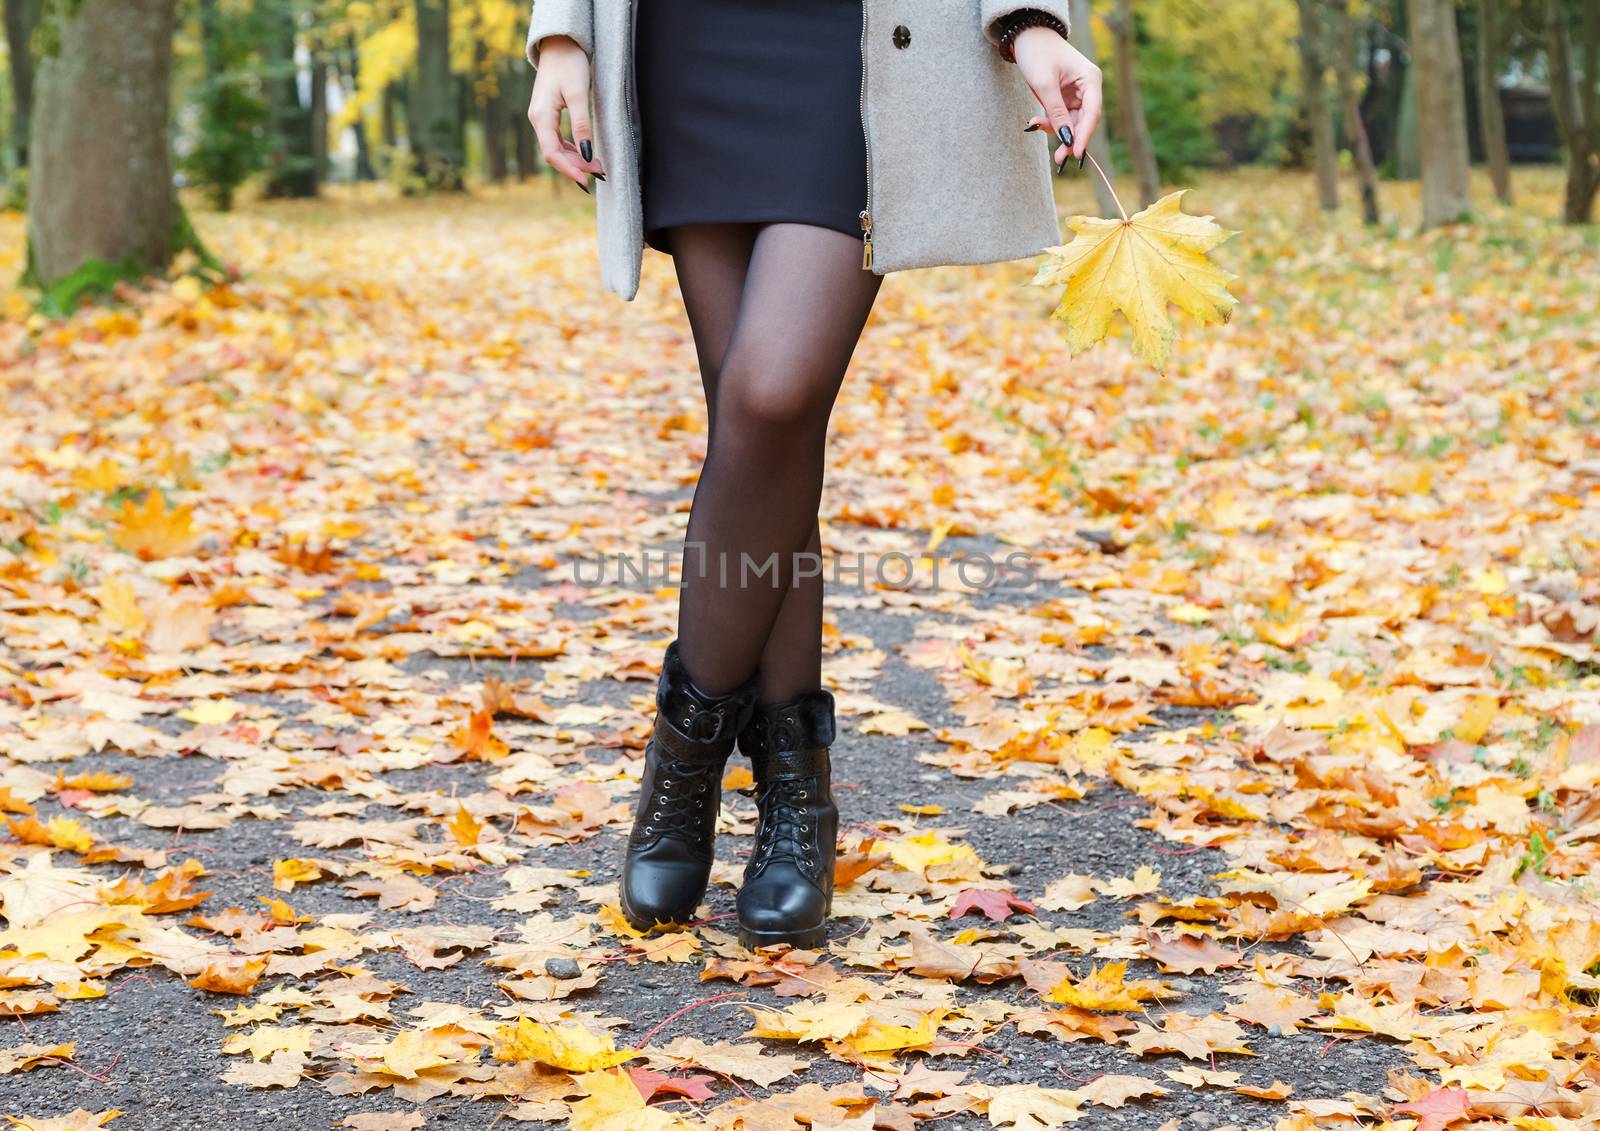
(995, 12)
(571, 18)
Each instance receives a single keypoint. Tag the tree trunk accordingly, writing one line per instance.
(1441, 112)
(1136, 131)
(527, 147)
(102, 171)
(1099, 145)
(1350, 96)
(389, 128)
(319, 119)
(365, 170)
(292, 163)
(1575, 96)
(1318, 113)
(22, 16)
(1491, 116)
(440, 147)
(493, 113)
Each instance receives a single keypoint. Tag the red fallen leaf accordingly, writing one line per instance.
(997, 905)
(1438, 1109)
(652, 1084)
(1451, 750)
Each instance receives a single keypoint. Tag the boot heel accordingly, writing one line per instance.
(806, 939)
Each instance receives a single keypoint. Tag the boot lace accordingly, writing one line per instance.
(787, 828)
(679, 803)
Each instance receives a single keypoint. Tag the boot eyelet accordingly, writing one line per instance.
(656, 815)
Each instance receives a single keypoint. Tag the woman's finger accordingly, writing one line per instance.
(1058, 116)
(582, 132)
(563, 158)
(1088, 114)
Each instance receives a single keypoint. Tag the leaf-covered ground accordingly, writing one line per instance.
(1271, 803)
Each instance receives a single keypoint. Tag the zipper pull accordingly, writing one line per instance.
(866, 243)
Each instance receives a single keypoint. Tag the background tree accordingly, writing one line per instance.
(1100, 144)
(1318, 114)
(1441, 112)
(438, 142)
(1219, 82)
(292, 160)
(102, 204)
(230, 146)
(1491, 116)
(1355, 128)
(1135, 129)
(22, 16)
(1572, 38)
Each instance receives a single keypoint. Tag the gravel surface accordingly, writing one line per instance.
(151, 1047)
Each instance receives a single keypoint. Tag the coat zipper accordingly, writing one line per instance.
(866, 213)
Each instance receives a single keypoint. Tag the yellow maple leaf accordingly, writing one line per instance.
(60, 832)
(1103, 989)
(97, 781)
(413, 1051)
(1032, 1107)
(287, 873)
(104, 476)
(926, 850)
(465, 828)
(210, 711)
(1478, 717)
(150, 530)
(1139, 265)
(119, 607)
(1144, 880)
(571, 1047)
(614, 1103)
(880, 1037)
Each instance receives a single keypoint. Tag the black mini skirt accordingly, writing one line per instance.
(751, 113)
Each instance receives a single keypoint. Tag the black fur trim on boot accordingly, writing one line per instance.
(668, 859)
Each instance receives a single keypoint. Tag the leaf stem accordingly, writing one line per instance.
(1109, 185)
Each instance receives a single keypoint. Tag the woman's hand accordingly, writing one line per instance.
(562, 83)
(1066, 84)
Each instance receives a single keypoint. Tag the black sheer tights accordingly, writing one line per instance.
(776, 310)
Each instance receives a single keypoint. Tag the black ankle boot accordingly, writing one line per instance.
(788, 884)
(668, 860)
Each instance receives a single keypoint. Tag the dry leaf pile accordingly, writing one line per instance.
(305, 713)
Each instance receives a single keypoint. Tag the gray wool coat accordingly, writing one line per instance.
(951, 177)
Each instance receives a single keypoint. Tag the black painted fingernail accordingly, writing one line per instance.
(1032, 127)
(1060, 167)
(584, 187)
(599, 176)
(1083, 158)
(1065, 134)
(587, 149)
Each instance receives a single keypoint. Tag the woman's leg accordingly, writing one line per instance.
(804, 302)
(779, 288)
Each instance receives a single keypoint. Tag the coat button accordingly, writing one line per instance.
(902, 37)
